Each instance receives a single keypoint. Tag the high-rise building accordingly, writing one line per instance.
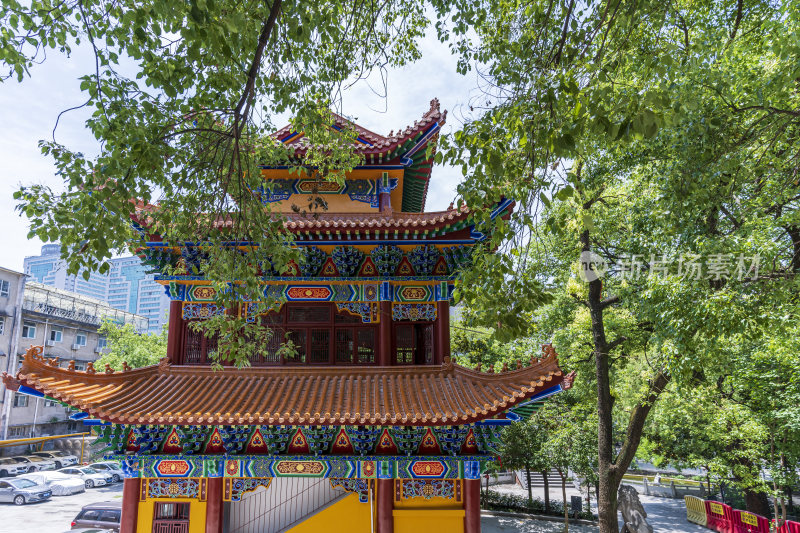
(132, 289)
(127, 286)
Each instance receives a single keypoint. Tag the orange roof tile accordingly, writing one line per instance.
(377, 144)
(186, 395)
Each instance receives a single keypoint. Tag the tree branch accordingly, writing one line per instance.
(736, 22)
(609, 301)
(252, 74)
(633, 433)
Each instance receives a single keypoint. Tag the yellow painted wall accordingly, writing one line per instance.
(348, 515)
(197, 514)
(438, 520)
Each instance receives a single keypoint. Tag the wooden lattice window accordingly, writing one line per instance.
(405, 344)
(321, 335)
(413, 344)
(171, 518)
(197, 348)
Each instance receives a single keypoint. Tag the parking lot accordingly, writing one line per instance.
(55, 515)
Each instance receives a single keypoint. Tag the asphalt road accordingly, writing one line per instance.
(54, 515)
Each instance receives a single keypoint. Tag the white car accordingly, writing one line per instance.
(10, 467)
(90, 476)
(34, 463)
(60, 458)
(109, 467)
(58, 483)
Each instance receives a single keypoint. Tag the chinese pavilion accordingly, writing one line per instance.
(369, 425)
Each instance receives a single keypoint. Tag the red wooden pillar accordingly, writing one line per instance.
(472, 506)
(384, 500)
(130, 505)
(385, 334)
(214, 505)
(175, 332)
(442, 342)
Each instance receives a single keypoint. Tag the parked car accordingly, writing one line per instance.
(10, 467)
(109, 467)
(90, 476)
(34, 463)
(22, 491)
(58, 483)
(99, 515)
(60, 458)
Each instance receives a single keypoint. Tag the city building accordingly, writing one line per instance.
(367, 425)
(66, 325)
(127, 285)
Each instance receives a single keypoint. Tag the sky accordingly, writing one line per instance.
(29, 110)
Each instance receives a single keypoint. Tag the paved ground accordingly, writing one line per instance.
(499, 524)
(664, 514)
(55, 515)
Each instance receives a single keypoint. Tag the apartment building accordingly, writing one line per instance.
(66, 324)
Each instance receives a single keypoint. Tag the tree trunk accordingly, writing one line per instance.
(530, 490)
(546, 492)
(564, 498)
(607, 494)
(756, 502)
(611, 469)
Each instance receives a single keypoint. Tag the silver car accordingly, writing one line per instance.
(10, 467)
(109, 467)
(58, 483)
(34, 463)
(22, 491)
(90, 476)
(59, 458)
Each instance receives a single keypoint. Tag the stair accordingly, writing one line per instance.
(287, 502)
(536, 479)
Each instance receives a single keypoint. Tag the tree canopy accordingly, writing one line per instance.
(125, 345)
(183, 96)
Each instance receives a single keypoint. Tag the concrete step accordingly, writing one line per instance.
(536, 479)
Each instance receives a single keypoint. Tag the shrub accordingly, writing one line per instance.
(497, 501)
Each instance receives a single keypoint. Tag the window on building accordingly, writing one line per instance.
(80, 365)
(28, 330)
(102, 342)
(413, 344)
(2, 325)
(50, 403)
(80, 339)
(20, 400)
(4, 287)
(316, 334)
(17, 431)
(56, 333)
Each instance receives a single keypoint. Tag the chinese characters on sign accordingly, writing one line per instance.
(691, 266)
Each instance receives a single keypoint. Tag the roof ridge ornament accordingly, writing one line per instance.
(164, 365)
(10, 382)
